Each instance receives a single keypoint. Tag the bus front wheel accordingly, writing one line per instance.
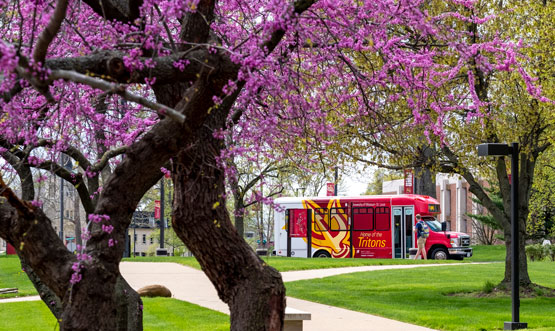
(322, 254)
(440, 254)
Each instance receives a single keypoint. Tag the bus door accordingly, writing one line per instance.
(299, 232)
(402, 231)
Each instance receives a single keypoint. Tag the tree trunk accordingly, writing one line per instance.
(253, 291)
(77, 220)
(524, 278)
(424, 179)
(46, 294)
(239, 206)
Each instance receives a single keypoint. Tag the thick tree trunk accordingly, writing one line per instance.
(524, 278)
(253, 291)
(46, 294)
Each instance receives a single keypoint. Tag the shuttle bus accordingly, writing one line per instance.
(378, 226)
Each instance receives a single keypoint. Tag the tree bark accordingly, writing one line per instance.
(253, 291)
(77, 219)
(424, 180)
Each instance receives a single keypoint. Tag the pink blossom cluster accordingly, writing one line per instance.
(339, 63)
(107, 228)
(98, 218)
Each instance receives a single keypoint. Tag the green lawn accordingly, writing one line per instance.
(17, 316)
(419, 296)
(11, 275)
(481, 254)
(422, 296)
(159, 314)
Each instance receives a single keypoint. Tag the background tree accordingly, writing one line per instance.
(479, 112)
(483, 223)
(541, 220)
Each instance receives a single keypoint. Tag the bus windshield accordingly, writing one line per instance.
(434, 225)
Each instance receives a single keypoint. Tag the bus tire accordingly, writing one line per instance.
(322, 253)
(440, 253)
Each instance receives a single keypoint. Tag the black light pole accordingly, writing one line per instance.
(335, 184)
(162, 226)
(62, 209)
(501, 150)
(66, 163)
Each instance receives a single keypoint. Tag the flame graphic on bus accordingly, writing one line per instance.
(329, 234)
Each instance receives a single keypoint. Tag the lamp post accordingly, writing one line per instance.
(335, 183)
(66, 163)
(495, 149)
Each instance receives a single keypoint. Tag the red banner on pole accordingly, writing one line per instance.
(10, 250)
(409, 181)
(298, 223)
(157, 209)
(330, 189)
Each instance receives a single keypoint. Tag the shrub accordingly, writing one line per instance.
(535, 252)
(550, 251)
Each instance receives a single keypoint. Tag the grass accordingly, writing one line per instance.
(423, 296)
(17, 316)
(11, 275)
(159, 314)
(481, 254)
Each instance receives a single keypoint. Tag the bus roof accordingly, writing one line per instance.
(295, 200)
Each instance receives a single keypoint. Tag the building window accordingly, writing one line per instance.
(135, 237)
(447, 203)
(151, 241)
(144, 238)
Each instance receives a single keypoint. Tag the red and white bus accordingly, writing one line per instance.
(378, 226)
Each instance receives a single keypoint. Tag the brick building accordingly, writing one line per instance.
(455, 200)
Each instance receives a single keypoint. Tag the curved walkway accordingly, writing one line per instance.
(192, 285)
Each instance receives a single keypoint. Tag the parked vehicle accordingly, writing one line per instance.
(363, 227)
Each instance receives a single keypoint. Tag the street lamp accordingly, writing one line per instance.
(496, 149)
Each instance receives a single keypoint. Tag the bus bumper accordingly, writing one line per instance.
(461, 251)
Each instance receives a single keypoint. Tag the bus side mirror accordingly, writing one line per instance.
(443, 226)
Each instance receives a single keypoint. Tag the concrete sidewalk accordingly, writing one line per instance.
(192, 285)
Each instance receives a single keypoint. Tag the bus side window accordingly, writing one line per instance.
(321, 219)
(338, 219)
(382, 219)
(363, 219)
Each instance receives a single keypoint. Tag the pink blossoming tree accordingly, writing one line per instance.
(137, 85)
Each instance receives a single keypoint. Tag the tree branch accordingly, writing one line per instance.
(117, 89)
(30, 232)
(49, 33)
(477, 189)
(126, 11)
(100, 164)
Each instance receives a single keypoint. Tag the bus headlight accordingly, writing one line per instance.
(455, 242)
